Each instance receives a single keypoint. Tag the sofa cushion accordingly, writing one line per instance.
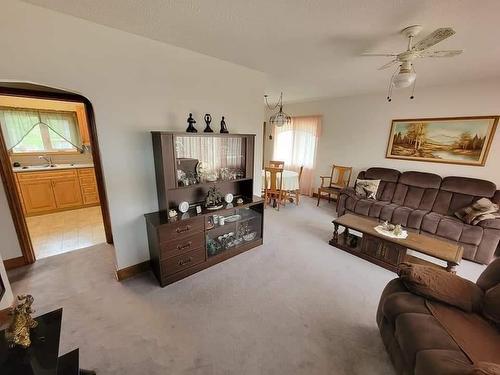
(363, 206)
(440, 362)
(416, 332)
(389, 178)
(376, 208)
(450, 228)
(417, 190)
(469, 186)
(387, 211)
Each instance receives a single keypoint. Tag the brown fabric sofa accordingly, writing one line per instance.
(427, 203)
(418, 342)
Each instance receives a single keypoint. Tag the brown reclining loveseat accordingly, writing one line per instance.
(430, 336)
(427, 203)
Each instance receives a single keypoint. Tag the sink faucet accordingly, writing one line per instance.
(47, 159)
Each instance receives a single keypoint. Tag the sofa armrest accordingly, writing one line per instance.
(350, 192)
(439, 285)
(496, 197)
(490, 224)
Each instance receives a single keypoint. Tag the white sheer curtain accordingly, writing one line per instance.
(214, 152)
(296, 145)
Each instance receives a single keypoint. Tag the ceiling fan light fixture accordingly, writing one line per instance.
(404, 79)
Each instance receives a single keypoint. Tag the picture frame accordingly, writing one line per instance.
(451, 140)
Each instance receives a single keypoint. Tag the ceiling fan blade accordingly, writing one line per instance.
(448, 53)
(380, 54)
(434, 38)
(388, 65)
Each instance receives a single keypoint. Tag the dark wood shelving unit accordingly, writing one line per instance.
(178, 246)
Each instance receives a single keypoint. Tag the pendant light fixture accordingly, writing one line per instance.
(281, 118)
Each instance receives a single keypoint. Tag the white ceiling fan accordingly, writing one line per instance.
(405, 75)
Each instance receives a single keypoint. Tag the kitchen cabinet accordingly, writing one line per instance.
(52, 191)
(88, 185)
(37, 196)
(67, 192)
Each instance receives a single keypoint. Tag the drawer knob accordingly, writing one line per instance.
(185, 246)
(185, 229)
(183, 262)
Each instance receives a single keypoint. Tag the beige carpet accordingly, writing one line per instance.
(292, 306)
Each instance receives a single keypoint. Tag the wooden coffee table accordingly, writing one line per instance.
(388, 252)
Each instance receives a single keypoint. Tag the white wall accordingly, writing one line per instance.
(135, 85)
(7, 299)
(356, 129)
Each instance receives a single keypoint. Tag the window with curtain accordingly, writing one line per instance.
(27, 131)
(296, 145)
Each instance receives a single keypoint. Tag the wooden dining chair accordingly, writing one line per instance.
(276, 164)
(333, 184)
(273, 186)
(295, 194)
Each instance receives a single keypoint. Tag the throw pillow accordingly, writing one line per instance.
(486, 368)
(482, 209)
(367, 188)
(442, 286)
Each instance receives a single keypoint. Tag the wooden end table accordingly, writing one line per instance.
(388, 252)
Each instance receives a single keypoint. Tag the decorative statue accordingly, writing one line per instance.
(191, 121)
(214, 199)
(18, 332)
(208, 120)
(223, 127)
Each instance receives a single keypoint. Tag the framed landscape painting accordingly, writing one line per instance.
(455, 140)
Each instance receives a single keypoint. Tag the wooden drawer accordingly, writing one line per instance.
(29, 176)
(180, 246)
(86, 172)
(182, 262)
(84, 181)
(90, 198)
(181, 229)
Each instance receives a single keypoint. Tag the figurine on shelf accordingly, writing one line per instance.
(208, 120)
(191, 121)
(214, 199)
(223, 127)
(18, 332)
(172, 214)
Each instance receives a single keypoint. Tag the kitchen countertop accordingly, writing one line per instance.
(48, 168)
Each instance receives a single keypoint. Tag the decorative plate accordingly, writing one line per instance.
(183, 207)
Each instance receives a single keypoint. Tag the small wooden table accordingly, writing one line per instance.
(388, 252)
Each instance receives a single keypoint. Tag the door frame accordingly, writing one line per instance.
(8, 178)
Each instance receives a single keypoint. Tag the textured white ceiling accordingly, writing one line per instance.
(311, 48)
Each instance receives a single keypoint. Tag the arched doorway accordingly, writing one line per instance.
(30, 90)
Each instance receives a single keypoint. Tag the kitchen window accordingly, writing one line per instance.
(33, 131)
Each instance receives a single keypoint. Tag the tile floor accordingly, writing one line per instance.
(61, 232)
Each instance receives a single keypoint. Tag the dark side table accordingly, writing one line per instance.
(42, 357)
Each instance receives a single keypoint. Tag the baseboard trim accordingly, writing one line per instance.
(14, 263)
(130, 271)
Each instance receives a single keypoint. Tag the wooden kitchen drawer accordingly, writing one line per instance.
(47, 175)
(180, 246)
(182, 262)
(86, 172)
(90, 198)
(87, 180)
(181, 229)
